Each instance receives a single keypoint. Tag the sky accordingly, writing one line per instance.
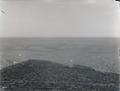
(59, 18)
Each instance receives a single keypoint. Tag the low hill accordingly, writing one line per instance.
(41, 75)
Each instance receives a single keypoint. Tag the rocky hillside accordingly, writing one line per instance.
(41, 75)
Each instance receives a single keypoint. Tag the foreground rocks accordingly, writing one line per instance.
(40, 75)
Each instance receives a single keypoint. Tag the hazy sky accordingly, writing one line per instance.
(59, 18)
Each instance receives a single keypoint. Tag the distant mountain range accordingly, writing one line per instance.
(41, 75)
(99, 53)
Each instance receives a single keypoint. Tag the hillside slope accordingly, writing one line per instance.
(41, 75)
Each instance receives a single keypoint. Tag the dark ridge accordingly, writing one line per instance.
(41, 75)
